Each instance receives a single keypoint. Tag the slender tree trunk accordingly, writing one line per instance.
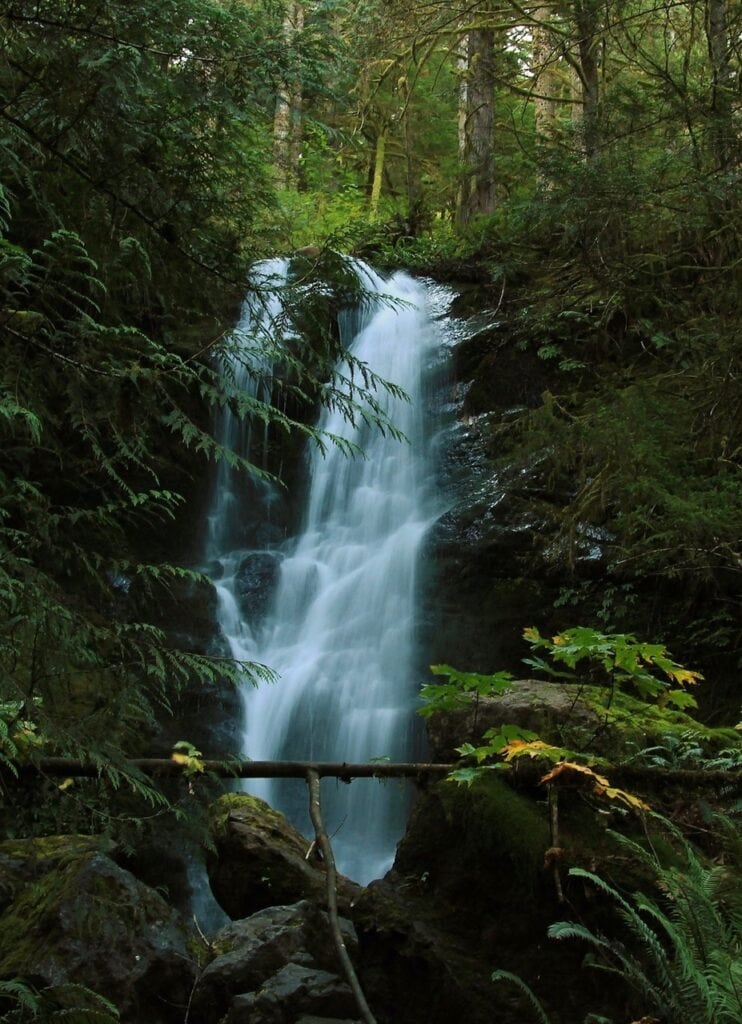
(586, 23)
(722, 82)
(287, 125)
(543, 69)
(412, 166)
(378, 178)
(462, 70)
(575, 92)
(478, 187)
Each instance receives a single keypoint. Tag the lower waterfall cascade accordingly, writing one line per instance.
(340, 629)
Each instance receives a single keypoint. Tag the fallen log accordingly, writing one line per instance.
(524, 772)
(57, 767)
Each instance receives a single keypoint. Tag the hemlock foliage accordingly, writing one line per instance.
(133, 171)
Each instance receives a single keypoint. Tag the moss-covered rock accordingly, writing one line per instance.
(75, 916)
(610, 724)
(470, 891)
(260, 860)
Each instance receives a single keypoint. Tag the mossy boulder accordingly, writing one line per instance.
(23, 860)
(548, 709)
(610, 724)
(260, 860)
(468, 880)
(472, 890)
(74, 916)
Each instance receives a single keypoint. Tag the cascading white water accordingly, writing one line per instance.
(250, 375)
(341, 632)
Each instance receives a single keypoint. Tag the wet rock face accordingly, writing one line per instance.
(495, 562)
(255, 582)
(75, 916)
(273, 967)
(260, 860)
(483, 574)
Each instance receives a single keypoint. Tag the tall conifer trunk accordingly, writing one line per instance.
(545, 80)
(478, 194)
(287, 121)
(722, 82)
(586, 24)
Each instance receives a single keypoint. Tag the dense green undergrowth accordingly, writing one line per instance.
(624, 281)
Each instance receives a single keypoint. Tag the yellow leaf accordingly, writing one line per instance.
(684, 676)
(66, 784)
(570, 771)
(183, 759)
(627, 798)
(531, 748)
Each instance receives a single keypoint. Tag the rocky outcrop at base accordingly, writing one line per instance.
(273, 967)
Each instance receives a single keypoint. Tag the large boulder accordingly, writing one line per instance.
(72, 915)
(473, 890)
(260, 860)
(273, 966)
(607, 723)
(552, 710)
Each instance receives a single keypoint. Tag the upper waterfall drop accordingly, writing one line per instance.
(341, 631)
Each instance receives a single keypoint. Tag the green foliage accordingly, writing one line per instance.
(461, 689)
(685, 958)
(513, 979)
(133, 177)
(623, 659)
(73, 1004)
(688, 749)
(620, 659)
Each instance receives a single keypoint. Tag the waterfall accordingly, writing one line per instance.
(340, 631)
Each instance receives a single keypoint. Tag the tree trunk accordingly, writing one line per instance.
(462, 70)
(287, 126)
(478, 184)
(586, 23)
(412, 166)
(379, 156)
(545, 80)
(722, 82)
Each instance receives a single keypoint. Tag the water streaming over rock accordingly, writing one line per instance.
(340, 631)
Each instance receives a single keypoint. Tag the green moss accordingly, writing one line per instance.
(81, 900)
(28, 926)
(499, 829)
(258, 809)
(48, 848)
(22, 860)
